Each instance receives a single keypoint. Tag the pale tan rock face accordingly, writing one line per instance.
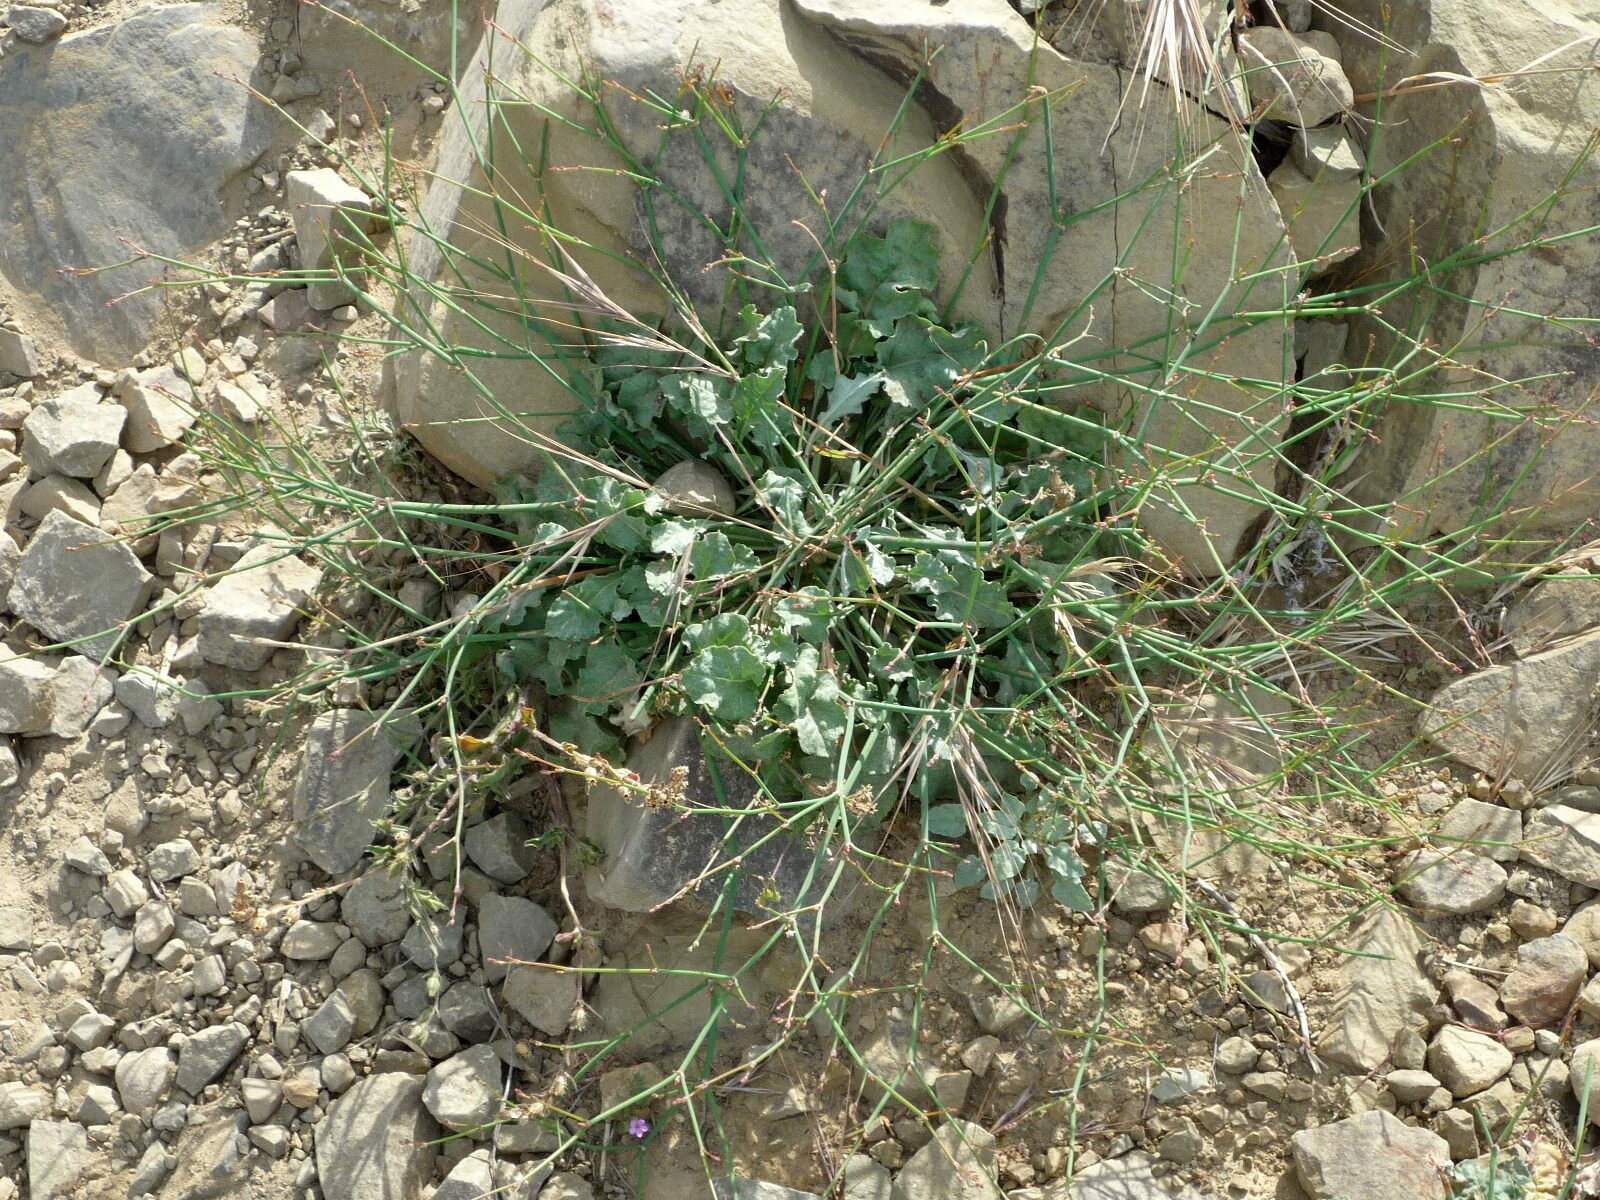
(1486, 162)
(834, 115)
(1151, 317)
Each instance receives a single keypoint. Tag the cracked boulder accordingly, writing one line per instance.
(1054, 257)
(1455, 163)
(121, 136)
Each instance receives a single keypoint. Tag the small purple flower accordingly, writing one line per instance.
(638, 1127)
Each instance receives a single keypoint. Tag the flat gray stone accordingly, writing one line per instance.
(344, 785)
(463, 1092)
(143, 1077)
(374, 1142)
(207, 1054)
(1565, 840)
(653, 854)
(16, 928)
(958, 1164)
(18, 354)
(73, 434)
(499, 847)
(257, 603)
(1382, 993)
(375, 909)
(152, 699)
(1488, 829)
(468, 1012)
(173, 860)
(1131, 1177)
(122, 135)
(161, 409)
(1456, 882)
(1467, 1061)
(435, 942)
(56, 1157)
(1374, 1156)
(352, 1011)
(1518, 719)
(755, 1189)
(76, 583)
(20, 1103)
(510, 927)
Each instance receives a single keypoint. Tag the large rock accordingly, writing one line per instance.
(78, 584)
(54, 696)
(1465, 173)
(1382, 995)
(833, 116)
(510, 927)
(1556, 607)
(1371, 1157)
(1567, 841)
(1131, 1177)
(654, 853)
(992, 68)
(256, 604)
(373, 1144)
(72, 434)
(958, 1164)
(842, 68)
(344, 784)
(122, 136)
(57, 1154)
(1525, 719)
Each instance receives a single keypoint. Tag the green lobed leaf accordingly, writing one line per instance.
(806, 614)
(768, 340)
(921, 359)
(726, 682)
(814, 704)
(847, 397)
(715, 557)
(786, 496)
(947, 821)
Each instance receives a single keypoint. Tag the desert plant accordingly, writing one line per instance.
(930, 620)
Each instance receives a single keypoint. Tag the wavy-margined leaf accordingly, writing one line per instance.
(959, 592)
(715, 557)
(814, 704)
(608, 675)
(674, 537)
(700, 397)
(947, 821)
(885, 279)
(724, 629)
(758, 409)
(767, 340)
(848, 396)
(726, 682)
(805, 614)
(1067, 870)
(584, 608)
(920, 359)
(786, 496)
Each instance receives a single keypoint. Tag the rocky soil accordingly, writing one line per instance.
(211, 987)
